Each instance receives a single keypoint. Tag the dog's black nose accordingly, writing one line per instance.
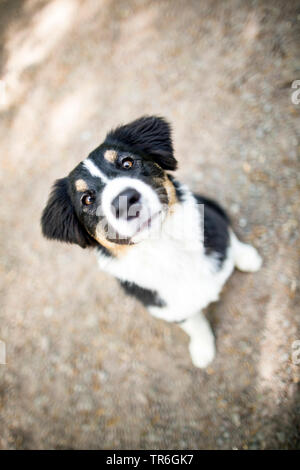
(126, 204)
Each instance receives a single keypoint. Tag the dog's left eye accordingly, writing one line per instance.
(127, 163)
(87, 199)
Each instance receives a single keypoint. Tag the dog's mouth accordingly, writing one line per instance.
(143, 226)
(148, 223)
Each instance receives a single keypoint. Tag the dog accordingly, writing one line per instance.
(171, 249)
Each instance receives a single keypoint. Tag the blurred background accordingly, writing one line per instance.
(86, 366)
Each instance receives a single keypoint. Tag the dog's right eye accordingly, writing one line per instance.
(127, 163)
(88, 199)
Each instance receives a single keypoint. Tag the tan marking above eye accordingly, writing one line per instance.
(110, 155)
(81, 185)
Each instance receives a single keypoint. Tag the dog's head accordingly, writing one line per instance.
(119, 193)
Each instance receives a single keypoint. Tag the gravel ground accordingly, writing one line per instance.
(87, 367)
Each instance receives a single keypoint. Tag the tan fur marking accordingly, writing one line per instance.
(81, 185)
(169, 187)
(114, 248)
(110, 155)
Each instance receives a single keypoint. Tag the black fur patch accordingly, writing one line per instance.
(213, 205)
(149, 136)
(146, 296)
(216, 224)
(59, 220)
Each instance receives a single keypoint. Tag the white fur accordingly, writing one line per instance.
(246, 258)
(202, 342)
(94, 170)
(174, 264)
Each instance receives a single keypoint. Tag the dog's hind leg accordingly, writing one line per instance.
(245, 257)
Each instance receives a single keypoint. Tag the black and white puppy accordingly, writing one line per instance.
(168, 247)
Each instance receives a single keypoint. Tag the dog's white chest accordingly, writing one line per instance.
(182, 275)
(174, 265)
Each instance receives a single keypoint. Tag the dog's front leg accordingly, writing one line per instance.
(202, 341)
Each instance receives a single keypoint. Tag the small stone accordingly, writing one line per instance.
(236, 419)
(103, 375)
(284, 357)
(246, 167)
(281, 437)
(267, 107)
(48, 312)
(234, 208)
(45, 343)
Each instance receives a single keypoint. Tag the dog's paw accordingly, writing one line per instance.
(202, 353)
(247, 258)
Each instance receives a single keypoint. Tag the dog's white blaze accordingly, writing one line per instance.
(94, 170)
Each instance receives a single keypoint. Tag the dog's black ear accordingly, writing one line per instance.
(59, 221)
(149, 135)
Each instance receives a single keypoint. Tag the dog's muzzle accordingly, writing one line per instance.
(129, 205)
